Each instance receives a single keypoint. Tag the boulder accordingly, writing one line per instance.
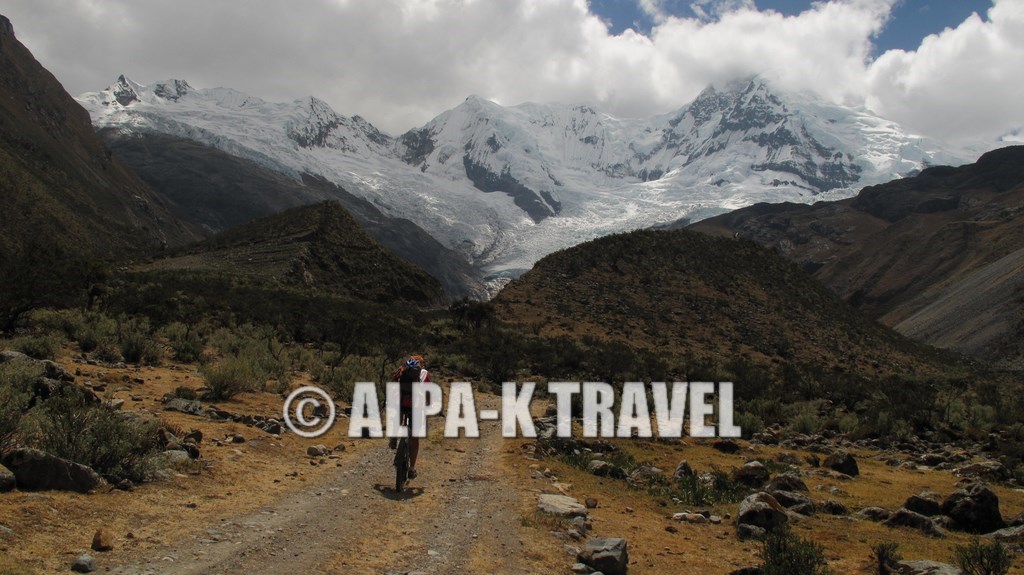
(37, 470)
(682, 470)
(317, 451)
(1011, 535)
(833, 507)
(726, 446)
(7, 480)
(600, 468)
(843, 462)
(986, 470)
(103, 540)
(926, 568)
(907, 518)
(794, 501)
(753, 474)
(786, 482)
(644, 475)
(874, 514)
(560, 505)
(763, 511)
(191, 407)
(927, 503)
(83, 564)
(609, 555)
(974, 509)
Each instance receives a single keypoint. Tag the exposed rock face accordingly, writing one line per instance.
(843, 462)
(761, 510)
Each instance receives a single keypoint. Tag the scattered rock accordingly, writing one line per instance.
(6, 532)
(590, 503)
(580, 568)
(833, 507)
(695, 518)
(644, 475)
(600, 467)
(191, 407)
(726, 446)
(103, 540)
(874, 513)
(83, 564)
(927, 503)
(560, 505)
(987, 470)
(7, 480)
(1013, 534)
(927, 568)
(238, 438)
(682, 470)
(37, 470)
(794, 501)
(753, 474)
(974, 509)
(608, 555)
(812, 460)
(176, 457)
(843, 462)
(787, 482)
(317, 451)
(788, 458)
(761, 510)
(745, 531)
(906, 518)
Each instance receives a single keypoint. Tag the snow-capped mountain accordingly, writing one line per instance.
(508, 185)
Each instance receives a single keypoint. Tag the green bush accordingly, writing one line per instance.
(66, 321)
(231, 376)
(749, 424)
(45, 346)
(185, 392)
(96, 331)
(885, 556)
(787, 554)
(16, 378)
(135, 341)
(977, 558)
(116, 445)
(184, 340)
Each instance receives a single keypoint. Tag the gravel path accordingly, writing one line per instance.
(457, 517)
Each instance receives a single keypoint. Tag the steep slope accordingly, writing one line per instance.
(690, 294)
(504, 186)
(320, 247)
(937, 256)
(217, 191)
(59, 184)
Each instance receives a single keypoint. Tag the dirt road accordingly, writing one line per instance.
(455, 518)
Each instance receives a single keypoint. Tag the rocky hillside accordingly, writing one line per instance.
(320, 247)
(937, 256)
(691, 294)
(60, 184)
(216, 191)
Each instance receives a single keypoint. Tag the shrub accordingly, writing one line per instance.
(45, 346)
(184, 340)
(16, 379)
(787, 554)
(66, 321)
(185, 392)
(116, 445)
(96, 331)
(136, 342)
(885, 556)
(977, 558)
(231, 376)
(749, 424)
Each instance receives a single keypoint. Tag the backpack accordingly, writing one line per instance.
(409, 376)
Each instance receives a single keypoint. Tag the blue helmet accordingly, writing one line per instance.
(413, 363)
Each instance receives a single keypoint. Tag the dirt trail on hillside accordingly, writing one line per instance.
(457, 517)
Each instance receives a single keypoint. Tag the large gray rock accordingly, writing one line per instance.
(683, 470)
(927, 568)
(974, 509)
(874, 514)
(763, 511)
(786, 482)
(7, 480)
(560, 505)
(608, 555)
(1009, 535)
(843, 462)
(794, 501)
(189, 406)
(927, 503)
(83, 564)
(907, 518)
(600, 467)
(36, 470)
(753, 474)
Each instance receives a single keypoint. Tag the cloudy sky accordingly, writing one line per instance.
(952, 69)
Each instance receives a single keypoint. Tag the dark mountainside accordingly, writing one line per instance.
(689, 294)
(319, 247)
(216, 191)
(937, 256)
(61, 188)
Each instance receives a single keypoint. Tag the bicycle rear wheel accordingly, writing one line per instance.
(401, 464)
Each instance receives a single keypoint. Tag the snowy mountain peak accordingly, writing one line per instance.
(508, 185)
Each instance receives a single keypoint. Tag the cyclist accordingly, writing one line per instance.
(413, 371)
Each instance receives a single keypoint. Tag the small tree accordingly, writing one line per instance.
(977, 558)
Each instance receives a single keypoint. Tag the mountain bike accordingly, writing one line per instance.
(402, 458)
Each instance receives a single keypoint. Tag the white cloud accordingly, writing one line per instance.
(400, 62)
